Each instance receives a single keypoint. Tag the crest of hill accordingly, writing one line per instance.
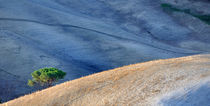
(150, 83)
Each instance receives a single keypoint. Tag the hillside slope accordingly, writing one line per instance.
(82, 37)
(180, 81)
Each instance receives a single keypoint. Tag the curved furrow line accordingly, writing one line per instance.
(15, 76)
(92, 30)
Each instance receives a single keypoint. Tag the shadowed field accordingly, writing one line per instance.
(83, 37)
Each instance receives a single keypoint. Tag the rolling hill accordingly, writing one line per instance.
(82, 37)
(181, 81)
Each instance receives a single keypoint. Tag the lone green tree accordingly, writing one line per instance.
(45, 77)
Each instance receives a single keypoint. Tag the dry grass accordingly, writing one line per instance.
(135, 84)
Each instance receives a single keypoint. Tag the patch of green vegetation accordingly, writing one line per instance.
(46, 77)
(170, 8)
(204, 18)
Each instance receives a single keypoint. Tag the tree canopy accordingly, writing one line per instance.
(46, 77)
